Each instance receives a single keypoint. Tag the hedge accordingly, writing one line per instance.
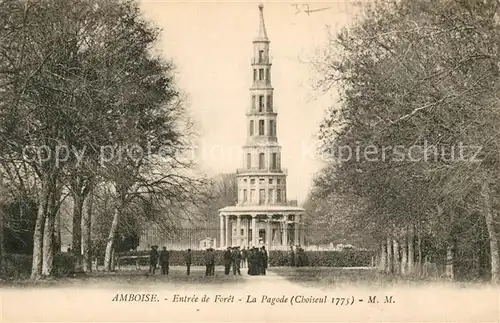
(19, 266)
(348, 258)
(277, 258)
(176, 257)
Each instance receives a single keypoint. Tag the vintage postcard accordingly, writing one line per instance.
(228, 161)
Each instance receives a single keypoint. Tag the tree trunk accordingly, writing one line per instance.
(404, 256)
(389, 266)
(383, 258)
(492, 235)
(449, 262)
(58, 243)
(77, 224)
(113, 260)
(86, 232)
(3, 253)
(396, 261)
(36, 269)
(110, 243)
(419, 246)
(2, 244)
(48, 230)
(48, 245)
(411, 252)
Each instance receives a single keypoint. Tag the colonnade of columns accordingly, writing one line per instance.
(251, 238)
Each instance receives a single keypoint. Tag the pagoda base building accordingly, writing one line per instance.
(276, 227)
(262, 216)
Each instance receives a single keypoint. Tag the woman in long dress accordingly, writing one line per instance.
(251, 261)
(264, 260)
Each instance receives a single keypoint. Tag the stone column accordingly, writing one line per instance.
(285, 233)
(254, 230)
(248, 223)
(296, 231)
(268, 232)
(221, 231)
(302, 232)
(238, 230)
(228, 242)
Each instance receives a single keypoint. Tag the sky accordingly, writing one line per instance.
(211, 46)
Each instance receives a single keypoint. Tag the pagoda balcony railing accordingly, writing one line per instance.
(259, 170)
(263, 61)
(261, 84)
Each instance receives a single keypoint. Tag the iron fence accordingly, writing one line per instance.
(202, 238)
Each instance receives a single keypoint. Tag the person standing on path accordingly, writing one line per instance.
(228, 259)
(207, 262)
(187, 259)
(260, 255)
(244, 256)
(300, 259)
(236, 261)
(164, 261)
(291, 257)
(153, 259)
(265, 259)
(251, 262)
(297, 256)
(211, 254)
(259, 261)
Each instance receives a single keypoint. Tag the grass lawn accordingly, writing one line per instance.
(130, 277)
(316, 277)
(328, 277)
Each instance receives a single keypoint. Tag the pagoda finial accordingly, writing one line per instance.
(262, 26)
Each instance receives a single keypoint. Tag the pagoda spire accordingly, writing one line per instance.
(262, 26)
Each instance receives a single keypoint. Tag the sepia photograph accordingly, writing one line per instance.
(258, 161)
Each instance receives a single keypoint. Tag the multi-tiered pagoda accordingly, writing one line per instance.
(262, 215)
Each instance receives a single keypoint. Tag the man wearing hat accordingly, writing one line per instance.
(153, 259)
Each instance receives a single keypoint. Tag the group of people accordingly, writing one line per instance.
(210, 262)
(162, 259)
(255, 259)
(297, 257)
(232, 258)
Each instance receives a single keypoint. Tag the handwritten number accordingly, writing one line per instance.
(306, 9)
